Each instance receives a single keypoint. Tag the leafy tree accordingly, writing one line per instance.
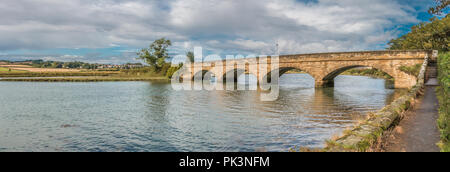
(57, 65)
(156, 54)
(441, 5)
(427, 35)
(86, 66)
(172, 70)
(190, 56)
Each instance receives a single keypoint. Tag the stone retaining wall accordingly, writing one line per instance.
(365, 134)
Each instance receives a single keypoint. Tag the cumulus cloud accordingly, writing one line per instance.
(250, 26)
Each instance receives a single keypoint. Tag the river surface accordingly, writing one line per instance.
(150, 116)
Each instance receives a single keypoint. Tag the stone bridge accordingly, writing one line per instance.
(323, 67)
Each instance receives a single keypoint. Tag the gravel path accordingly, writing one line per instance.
(418, 131)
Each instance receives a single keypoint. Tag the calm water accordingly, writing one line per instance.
(145, 116)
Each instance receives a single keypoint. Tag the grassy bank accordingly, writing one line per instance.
(367, 134)
(368, 72)
(54, 74)
(4, 69)
(412, 70)
(142, 74)
(444, 97)
(86, 79)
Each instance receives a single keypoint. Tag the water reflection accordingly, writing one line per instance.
(148, 116)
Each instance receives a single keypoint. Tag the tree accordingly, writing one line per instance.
(427, 35)
(441, 5)
(190, 56)
(156, 54)
(172, 70)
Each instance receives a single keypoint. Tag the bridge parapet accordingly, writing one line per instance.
(324, 67)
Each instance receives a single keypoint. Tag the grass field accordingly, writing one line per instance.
(46, 70)
(5, 69)
(17, 73)
(87, 79)
(33, 69)
(64, 75)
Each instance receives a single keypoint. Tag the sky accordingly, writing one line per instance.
(112, 31)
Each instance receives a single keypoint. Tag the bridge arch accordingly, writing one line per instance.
(235, 73)
(202, 75)
(235, 68)
(283, 70)
(328, 79)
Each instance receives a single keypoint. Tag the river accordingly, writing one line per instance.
(151, 116)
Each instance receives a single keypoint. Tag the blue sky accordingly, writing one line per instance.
(111, 31)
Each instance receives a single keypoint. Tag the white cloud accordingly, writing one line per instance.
(326, 25)
(64, 58)
(250, 26)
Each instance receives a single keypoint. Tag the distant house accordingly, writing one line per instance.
(131, 66)
(123, 66)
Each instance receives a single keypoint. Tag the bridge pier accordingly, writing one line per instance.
(405, 82)
(324, 83)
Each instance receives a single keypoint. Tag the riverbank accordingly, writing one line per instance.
(54, 74)
(444, 100)
(84, 79)
(368, 72)
(3, 69)
(417, 131)
(80, 76)
(367, 134)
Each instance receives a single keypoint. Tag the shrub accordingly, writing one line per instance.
(443, 96)
(412, 70)
(172, 70)
(166, 70)
(369, 72)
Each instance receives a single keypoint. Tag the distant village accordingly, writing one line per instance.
(71, 65)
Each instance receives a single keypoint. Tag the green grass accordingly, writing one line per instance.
(53, 74)
(166, 71)
(88, 79)
(412, 70)
(444, 101)
(368, 72)
(3, 69)
(83, 76)
(139, 74)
